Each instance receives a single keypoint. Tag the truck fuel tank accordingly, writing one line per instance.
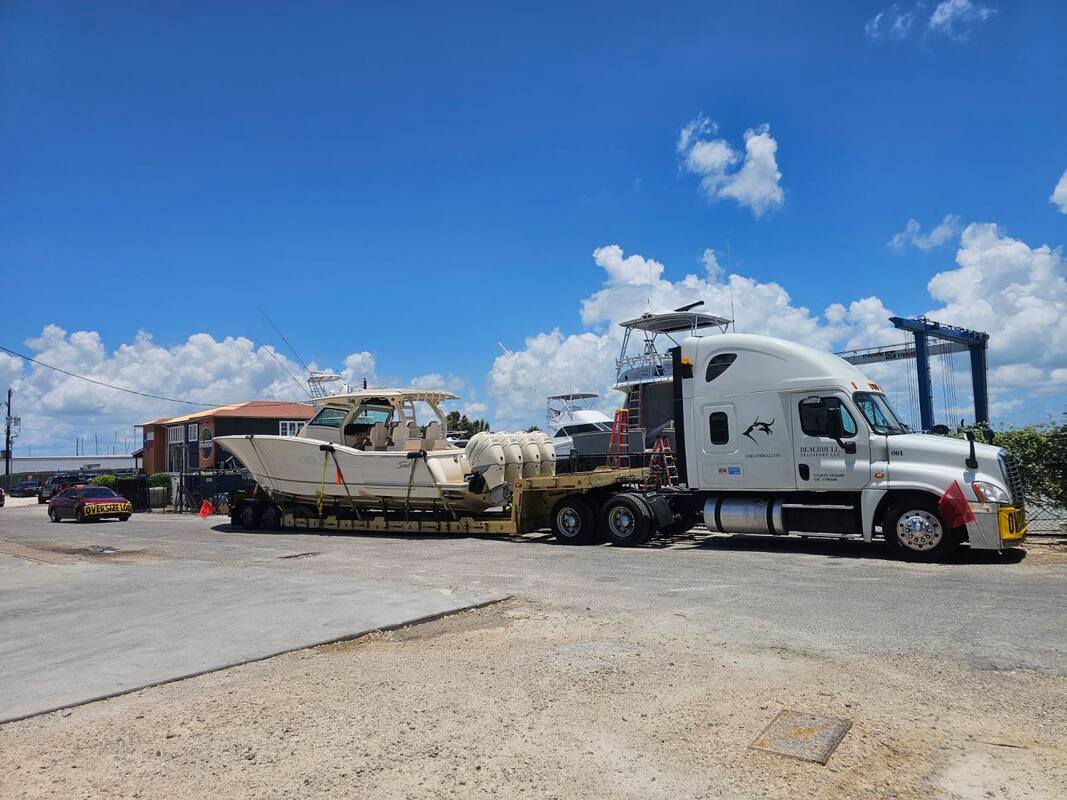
(726, 514)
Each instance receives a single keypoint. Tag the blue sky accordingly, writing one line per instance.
(421, 182)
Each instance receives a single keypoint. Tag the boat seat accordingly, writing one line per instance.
(404, 432)
(434, 432)
(379, 436)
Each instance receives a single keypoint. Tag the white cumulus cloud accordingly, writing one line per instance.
(1059, 194)
(1015, 292)
(957, 17)
(755, 184)
(912, 234)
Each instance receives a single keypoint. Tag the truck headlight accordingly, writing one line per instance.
(990, 493)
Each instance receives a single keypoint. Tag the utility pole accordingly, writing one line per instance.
(7, 440)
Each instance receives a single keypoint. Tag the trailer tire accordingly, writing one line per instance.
(573, 520)
(248, 516)
(627, 520)
(270, 518)
(914, 531)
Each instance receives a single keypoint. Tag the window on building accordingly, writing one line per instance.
(149, 436)
(174, 434)
(719, 426)
(192, 432)
(288, 427)
(718, 365)
(813, 420)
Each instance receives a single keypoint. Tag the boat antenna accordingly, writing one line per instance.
(269, 348)
(287, 344)
(730, 278)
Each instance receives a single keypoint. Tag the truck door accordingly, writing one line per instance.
(824, 463)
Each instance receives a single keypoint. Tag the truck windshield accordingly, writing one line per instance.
(880, 415)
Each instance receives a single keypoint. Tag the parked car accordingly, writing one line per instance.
(56, 484)
(88, 503)
(25, 489)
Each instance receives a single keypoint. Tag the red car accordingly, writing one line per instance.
(86, 503)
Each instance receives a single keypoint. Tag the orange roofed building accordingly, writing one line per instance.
(185, 443)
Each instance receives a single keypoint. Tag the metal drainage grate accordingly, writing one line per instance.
(808, 737)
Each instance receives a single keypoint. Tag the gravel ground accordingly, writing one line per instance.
(603, 689)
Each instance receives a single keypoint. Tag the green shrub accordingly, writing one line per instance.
(159, 479)
(110, 481)
(1042, 448)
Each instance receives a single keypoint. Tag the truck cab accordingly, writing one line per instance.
(783, 438)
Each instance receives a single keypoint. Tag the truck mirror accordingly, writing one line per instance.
(834, 429)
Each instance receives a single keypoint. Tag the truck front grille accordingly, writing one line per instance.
(1013, 474)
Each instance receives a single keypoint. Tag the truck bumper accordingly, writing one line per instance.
(996, 527)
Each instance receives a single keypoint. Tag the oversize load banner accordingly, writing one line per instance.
(107, 508)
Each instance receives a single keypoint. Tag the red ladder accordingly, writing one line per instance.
(663, 469)
(619, 444)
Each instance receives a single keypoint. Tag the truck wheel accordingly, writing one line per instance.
(248, 516)
(627, 520)
(914, 531)
(573, 520)
(270, 518)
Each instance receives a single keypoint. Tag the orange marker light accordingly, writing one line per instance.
(687, 360)
(879, 475)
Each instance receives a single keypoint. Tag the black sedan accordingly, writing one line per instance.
(25, 489)
(88, 503)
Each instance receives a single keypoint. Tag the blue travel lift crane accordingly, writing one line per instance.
(952, 339)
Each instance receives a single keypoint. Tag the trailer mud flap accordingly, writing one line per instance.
(661, 509)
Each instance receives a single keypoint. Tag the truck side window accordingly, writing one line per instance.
(813, 420)
(719, 425)
(718, 364)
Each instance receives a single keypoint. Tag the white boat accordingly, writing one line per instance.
(577, 425)
(367, 448)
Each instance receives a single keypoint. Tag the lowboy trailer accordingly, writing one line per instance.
(572, 506)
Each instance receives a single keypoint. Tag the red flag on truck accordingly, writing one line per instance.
(206, 509)
(954, 508)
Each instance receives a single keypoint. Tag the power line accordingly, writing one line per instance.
(127, 389)
(107, 385)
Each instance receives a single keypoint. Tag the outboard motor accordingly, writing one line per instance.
(486, 458)
(512, 457)
(531, 455)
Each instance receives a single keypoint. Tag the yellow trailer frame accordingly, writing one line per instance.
(531, 505)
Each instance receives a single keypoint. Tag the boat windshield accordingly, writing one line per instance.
(371, 415)
(879, 413)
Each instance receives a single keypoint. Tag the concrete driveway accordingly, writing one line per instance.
(79, 623)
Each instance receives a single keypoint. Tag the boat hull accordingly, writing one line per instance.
(302, 469)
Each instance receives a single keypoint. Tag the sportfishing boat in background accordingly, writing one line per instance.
(368, 448)
(576, 425)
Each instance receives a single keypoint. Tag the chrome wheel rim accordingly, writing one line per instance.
(919, 530)
(621, 522)
(569, 522)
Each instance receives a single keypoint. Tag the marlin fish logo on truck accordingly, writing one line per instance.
(758, 427)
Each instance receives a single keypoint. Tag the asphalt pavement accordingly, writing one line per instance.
(988, 610)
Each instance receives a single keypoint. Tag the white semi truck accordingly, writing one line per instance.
(772, 437)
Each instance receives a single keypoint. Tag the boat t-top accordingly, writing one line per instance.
(370, 447)
(644, 370)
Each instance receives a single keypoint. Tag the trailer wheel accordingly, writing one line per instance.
(627, 520)
(248, 516)
(914, 531)
(270, 518)
(573, 520)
